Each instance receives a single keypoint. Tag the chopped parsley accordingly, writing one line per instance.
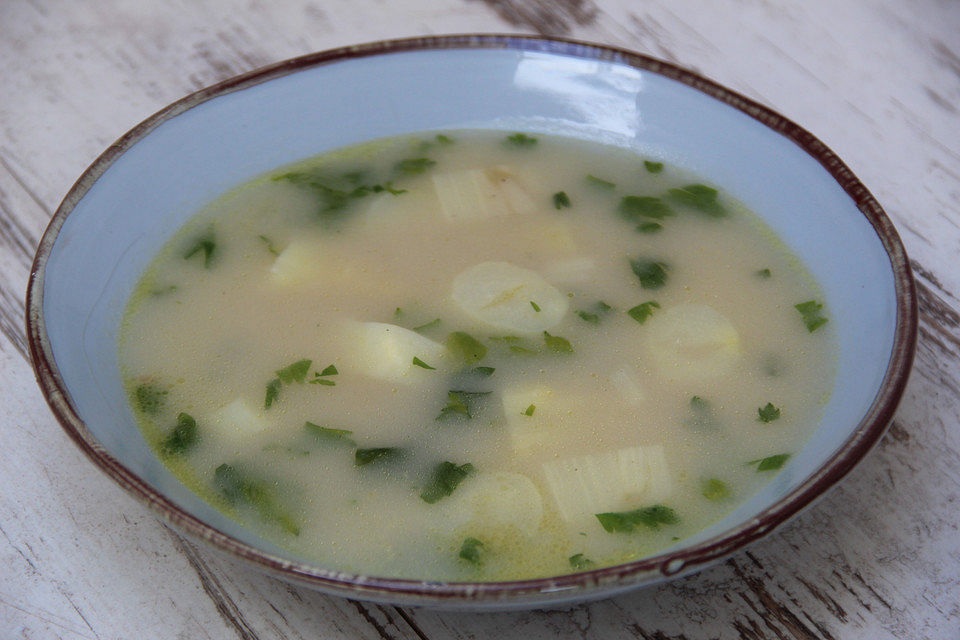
(273, 390)
(461, 404)
(642, 311)
(714, 489)
(636, 208)
(702, 417)
(470, 551)
(529, 410)
(515, 348)
(810, 312)
(465, 347)
(446, 477)
(762, 273)
(770, 463)
(205, 245)
(580, 562)
(556, 343)
(521, 140)
(433, 324)
(364, 457)
(768, 413)
(423, 365)
(596, 311)
(628, 521)
(486, 372)
(272, 248)
(652, 273)
(330, 435)
(322, 381)
(699, 197)
(335, 194)
(239, 488)
(649, 227)
(653, 167)
(444, 139)
(330, 370)
(183, 437)
(414, 166)
(600, 182)
(296, 372)
(150, 398)
(561, 200)
(535, 306)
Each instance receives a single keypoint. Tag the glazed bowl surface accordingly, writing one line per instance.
(135, 197)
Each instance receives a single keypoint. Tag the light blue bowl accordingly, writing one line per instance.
(143, 188)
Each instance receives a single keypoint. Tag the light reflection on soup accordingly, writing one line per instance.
(476, 356)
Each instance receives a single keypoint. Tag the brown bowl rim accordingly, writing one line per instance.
(520, 592)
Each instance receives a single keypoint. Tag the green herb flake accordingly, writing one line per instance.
(595, 312)
(205, 245)
(561, 200)
(273, 390)
(768, 413)
(700, 198)
(649, 227)
(529, 410)
(470, 551)
(486, 372)
(521, 140)
(330, 370)
(296, 372)
(397, 313)
(653, 167)
(465, 347)
(414, 166)
(423, 365)
(444, 139)
(324, 382)
(388, 187)
(183, 437)
(580, 562)
(636, 208)
(445, 479)
(600, 182)
(770, 463)
(702, 417)
(433, 324)
(810, 312)
(515, 348)
(239, 488)
(557, 344)
(642, 311)
(272, 248)
(628, 521)
(363, 457)
(535, 306)
(714, 489)
(461, 404)
(763, 273)
(652, 274)
(330, 435)
(149, 398)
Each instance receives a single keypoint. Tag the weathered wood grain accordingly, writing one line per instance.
(877, 80)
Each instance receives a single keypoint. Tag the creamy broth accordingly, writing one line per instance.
(476, 356)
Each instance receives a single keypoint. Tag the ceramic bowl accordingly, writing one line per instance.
(143, 188)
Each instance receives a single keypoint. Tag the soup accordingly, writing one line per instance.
(476, 356)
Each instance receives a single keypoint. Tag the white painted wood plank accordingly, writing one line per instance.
(879, 81)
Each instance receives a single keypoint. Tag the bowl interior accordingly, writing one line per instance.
(206, 147)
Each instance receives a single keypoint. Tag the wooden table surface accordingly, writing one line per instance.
(877, 80)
